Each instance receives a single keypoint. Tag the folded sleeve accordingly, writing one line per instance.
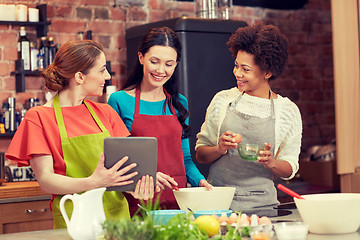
(28, 140)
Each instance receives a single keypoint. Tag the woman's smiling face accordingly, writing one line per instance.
(159, 64)
(248, 75)
(95, 79)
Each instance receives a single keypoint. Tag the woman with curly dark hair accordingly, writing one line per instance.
(252, 113)
(150, 105)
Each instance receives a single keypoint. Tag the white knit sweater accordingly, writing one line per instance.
(288, 123)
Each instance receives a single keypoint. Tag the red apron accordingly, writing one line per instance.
(168, 131)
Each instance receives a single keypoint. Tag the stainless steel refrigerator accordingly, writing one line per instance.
(205, 67)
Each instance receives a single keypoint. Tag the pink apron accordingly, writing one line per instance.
(168, 131)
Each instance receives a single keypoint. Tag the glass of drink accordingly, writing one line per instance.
(250, 151)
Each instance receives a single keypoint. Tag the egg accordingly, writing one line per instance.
(233, 218)
(243, 221)
(237, 138)
(223, 218)
(254, 220)
(264, 220)
(244, 216)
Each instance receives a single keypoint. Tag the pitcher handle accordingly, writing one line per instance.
(62, 208)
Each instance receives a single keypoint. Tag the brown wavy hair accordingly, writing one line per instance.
(72, 57)
(268, 45)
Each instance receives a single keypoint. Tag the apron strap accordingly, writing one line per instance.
(95, 117)
(168, 101)
(59, 117)
(137, 100)
(272, 104)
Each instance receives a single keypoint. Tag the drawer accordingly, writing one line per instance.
(25, 211)
(17, 227)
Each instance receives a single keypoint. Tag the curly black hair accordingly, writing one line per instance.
(267, 44)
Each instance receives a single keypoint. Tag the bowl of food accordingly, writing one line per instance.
(330, 213)
(250, 151)
(263, 232)
(162, 217)
(291, 230)
(218, 212)
(199, 198)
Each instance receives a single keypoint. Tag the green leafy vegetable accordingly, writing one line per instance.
(180, 227)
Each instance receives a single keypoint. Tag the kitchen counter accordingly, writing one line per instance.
(56, 234)
(63, 235)
(24, 207)
(21, 191)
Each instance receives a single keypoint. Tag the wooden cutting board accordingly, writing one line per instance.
(20, 189)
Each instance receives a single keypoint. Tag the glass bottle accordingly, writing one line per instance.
(34, 57)
(12, 112)
(224, 9)
(206, 8)
(6, 116)
(44, 52)
(52, 50)
(23, 48)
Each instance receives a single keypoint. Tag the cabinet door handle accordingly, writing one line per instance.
(30, 211)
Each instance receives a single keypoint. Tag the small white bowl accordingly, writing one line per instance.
(291, 230)
(263, 232)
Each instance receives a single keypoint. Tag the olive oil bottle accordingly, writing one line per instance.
(23, 48)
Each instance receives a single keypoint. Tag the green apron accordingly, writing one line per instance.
(81, 156)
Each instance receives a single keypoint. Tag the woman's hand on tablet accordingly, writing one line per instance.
(144, 188)
(114, 176)
(164, 181)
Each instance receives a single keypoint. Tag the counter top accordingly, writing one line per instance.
(21, 192)
(55, 234)
(295, 216)
(63, 235)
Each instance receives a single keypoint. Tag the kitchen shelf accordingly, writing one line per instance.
(41, 26)
(20, 75)
(41, 30)
(28, 73)
(7, 135)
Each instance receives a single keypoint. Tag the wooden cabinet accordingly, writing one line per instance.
(23, 207)
(346, 48)
(25, 216)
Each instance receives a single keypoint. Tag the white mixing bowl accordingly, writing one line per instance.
(331, 213)
(199, 198)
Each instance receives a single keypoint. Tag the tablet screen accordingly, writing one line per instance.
(140, 150)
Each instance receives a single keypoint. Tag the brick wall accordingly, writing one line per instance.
(308, 79)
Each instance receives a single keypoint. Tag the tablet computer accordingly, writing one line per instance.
(140, 150)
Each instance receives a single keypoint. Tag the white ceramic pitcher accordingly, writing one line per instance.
(87, 216)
